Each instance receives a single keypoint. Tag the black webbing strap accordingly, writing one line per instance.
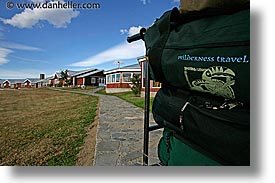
(155, 53)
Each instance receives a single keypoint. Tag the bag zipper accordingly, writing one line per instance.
(207, 113)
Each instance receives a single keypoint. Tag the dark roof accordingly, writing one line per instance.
(14, 81)
(89, 73)
(134, 66)
(78, 73)
(74, 73)
(45, 80)
(33, 80)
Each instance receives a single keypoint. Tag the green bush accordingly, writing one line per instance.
(60, 84)
(135, 86)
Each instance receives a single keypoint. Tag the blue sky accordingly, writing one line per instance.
(34, 41)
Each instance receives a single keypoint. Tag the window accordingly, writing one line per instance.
(93, 80)
(108, 78)
(117, 78)
(113, 78)
(126, 77)
(156, 84)
(101, 80)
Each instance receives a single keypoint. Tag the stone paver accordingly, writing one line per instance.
(120, 134)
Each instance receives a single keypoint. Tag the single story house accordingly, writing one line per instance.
(154, 86)
(56, 79)
(89, 77)
(31, 82)
(16, 83)
(44, 82)
(6, 84)
(20, 83)
(119, 79)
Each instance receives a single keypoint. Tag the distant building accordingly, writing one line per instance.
(31, 82)
(6, 84)
(154, 86)
(57, 79)
(16, 83)
(90, 77)
(119, 79)
(44, 82)
(20, 83)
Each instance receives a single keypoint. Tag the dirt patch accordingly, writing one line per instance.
(86, 155)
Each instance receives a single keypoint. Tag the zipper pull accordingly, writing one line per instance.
(185, 105)
(181, 116)
(181, 122)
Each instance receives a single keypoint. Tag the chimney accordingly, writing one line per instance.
(42, 76)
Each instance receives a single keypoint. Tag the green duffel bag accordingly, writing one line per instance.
(202, 129)
(202, 52)
(173, 152)
(203, 60)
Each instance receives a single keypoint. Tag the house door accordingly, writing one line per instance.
(101, 82)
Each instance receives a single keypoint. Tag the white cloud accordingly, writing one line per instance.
(8, 47)
(122, 51)
(144, 2)
(119, 52)
(59, 18)
(132, 30)
(3, 55)
(123, 31)
(18, 46)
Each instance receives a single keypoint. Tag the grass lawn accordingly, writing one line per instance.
(43, 127)
(131, 98)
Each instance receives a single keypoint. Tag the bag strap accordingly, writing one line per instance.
(166, 25)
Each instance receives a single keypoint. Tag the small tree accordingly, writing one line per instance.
(64, 75)
(135, 86)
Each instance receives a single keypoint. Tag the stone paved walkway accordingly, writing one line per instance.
(120, 134)
(119, 140)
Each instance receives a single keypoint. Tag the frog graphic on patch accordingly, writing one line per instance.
(217, 80)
